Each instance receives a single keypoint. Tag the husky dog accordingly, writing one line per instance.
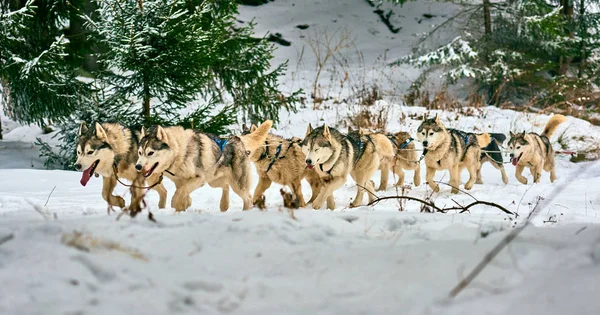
(450, 149)
(405, 158)
(494, 156)
(108, 147)
(534, 151)
(281, 161)
(334, 155)
(385, 147)
(191, 158)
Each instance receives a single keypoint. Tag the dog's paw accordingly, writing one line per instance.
(468, 186)
(523, 180)
(454, 190)
(479, 181)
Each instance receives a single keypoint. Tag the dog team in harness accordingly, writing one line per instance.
(324, 157)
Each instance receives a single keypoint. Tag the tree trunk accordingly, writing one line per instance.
(583, 36)
(567, 11)
(146, 96)
(487, 18)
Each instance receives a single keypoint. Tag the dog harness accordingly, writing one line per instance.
(221, 143)
(277, 156)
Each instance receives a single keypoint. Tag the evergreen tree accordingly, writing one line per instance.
(162, 56)
(523, 51)
(37, 84)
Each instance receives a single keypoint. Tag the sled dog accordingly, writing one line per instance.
(108, 147)
(452, 150)
(405, 158)
(333, 156)
(384, 145)
(281, 161)
(493, 155)
(191, 158)
(534, 151)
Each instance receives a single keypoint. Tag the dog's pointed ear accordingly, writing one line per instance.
(82, 129)
(523, 134)
(143, 132)
(361, 131)
(511, 134)
(161, 134)
(437, 119)
(309, 129)
(100, 132)
(245, 128)
(326, 133)
(253, 128)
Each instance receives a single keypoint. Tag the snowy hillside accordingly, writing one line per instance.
(60, 253)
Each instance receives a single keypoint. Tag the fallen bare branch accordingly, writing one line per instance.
(6, 238)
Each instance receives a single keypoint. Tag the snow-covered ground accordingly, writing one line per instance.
(67, 256)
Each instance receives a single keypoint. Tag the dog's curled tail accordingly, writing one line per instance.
(552, 124)
(484, 139)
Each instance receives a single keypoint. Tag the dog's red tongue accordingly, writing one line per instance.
(85, 176)
(514, 161)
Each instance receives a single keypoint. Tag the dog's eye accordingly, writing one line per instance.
(431, 133)
(151, 153)
(90, 152)
(139, 152)
(317, 149)
(78, 152)
(248, 152)
(518, 147)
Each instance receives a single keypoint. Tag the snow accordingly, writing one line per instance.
(366, 260)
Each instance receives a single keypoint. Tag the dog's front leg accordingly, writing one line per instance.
(181, 199)
(455, 178)
(518, 174)
(160, 189)
(429, 174)
(108, 186)
(327, 191)
(417, 175)
(263, 184)
(473, 173)
(297, 190)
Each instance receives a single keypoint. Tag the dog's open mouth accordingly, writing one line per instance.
(149, 172)
(310, 166)
(515, 160)
(87, 174)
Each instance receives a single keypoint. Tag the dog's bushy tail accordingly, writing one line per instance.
(484, 139)
(552, 124)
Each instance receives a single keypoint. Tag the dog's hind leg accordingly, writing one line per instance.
(315, 187)
(385, 174)
(108, 186)
(330, 202)
(400, 172)
(244, 193)
(503, 171)
(549, 167)
(263, 184)
(224, 203)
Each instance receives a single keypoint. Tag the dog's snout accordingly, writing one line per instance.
(425, 143)
(138, 167)
(78, 166)
(512, 155)
(309, 161)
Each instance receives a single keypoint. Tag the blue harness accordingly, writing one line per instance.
(221, 143)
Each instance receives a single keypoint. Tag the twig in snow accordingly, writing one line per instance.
(39, 209)
(6, 238)
(541, 203)
(49, 196)
(580, 230)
